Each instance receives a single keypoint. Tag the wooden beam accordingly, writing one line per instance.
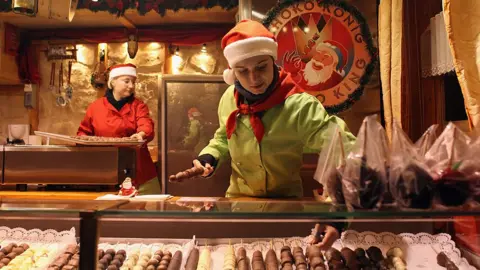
(127, 22)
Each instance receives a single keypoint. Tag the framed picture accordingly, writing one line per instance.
(188, 121)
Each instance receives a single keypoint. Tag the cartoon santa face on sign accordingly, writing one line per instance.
(322, 68)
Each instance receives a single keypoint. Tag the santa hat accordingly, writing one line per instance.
(338, 52)
(194, 112)
(121, 70)
(246, 40)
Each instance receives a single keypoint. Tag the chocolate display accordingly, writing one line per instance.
(257, 261)
(104, 139)
(300, 261)
(413, 187)
(242, 259)
(229, 260)
(334, 185)
(286, 258)
(271, 261)
(176, 261)
(362, 258)
(192, 260)
(375, 254)
(315, 258)
(444, 261)
(453, 188)
(205, 259)
(335, 259)
(350, 258)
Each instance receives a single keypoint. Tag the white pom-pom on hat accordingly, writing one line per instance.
(229, 76)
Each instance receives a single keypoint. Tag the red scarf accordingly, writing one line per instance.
(284, 88)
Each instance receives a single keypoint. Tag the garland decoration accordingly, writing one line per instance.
(118, 7)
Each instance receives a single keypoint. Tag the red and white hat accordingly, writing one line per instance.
(121, 70)
(247, 39)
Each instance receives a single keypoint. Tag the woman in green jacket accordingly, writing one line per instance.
(266, 122)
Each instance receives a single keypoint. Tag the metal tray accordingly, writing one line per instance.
(69, 139)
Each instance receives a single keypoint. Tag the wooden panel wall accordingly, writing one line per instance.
(423, 98)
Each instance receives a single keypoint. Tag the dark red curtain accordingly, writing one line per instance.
(179, 35)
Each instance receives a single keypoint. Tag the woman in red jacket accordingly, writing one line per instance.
(120, 114)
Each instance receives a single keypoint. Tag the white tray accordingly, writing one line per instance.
(69, 139)
(420, 249)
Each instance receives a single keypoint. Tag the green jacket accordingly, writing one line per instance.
(271, 169)
(195, 139)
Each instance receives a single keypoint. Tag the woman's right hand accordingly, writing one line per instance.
(197, 170)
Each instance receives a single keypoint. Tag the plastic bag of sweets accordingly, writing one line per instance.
(471, 168)
(426, 141)
(410, 182)
(364, 178)
(331, 163)
(445, 158)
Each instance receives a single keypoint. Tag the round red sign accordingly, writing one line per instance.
(326, 46)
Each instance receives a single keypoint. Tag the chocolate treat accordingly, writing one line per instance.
(336, 264)
(108, 256)
(334, 186)
(375, 254)
(116, 262)
(167, 253)
(110, 251)
(104, 261)
(242, 259)
(451, 266)
(112, 267)
(18, 250)
(453, 188)
(414, 187)
(151, 267)
(395, 252)
(25, 246)
(153, 261)
(315, 257)
(333, 254)
(162, 267)
(123, 252)
(176, 261)
(286, 258)
(100, 253)
(8, 248)
(257, 261)
(119, 257)
(442, 259)
(271, 261)
(12, 255)
(159, 252)
(5, 260)
(360, 252)
(350, 258)
(164, 262)
(300, 261)
(192, 260)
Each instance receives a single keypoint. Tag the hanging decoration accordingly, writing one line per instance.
(328, 48)
(100, 73)
(132, 45)
(25, 7)
(118, 7)
(61, 52)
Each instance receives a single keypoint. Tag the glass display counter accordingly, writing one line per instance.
(127, 234)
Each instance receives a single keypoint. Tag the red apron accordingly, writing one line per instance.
(102, 119)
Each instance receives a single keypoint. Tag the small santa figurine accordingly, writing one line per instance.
(127, 188)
